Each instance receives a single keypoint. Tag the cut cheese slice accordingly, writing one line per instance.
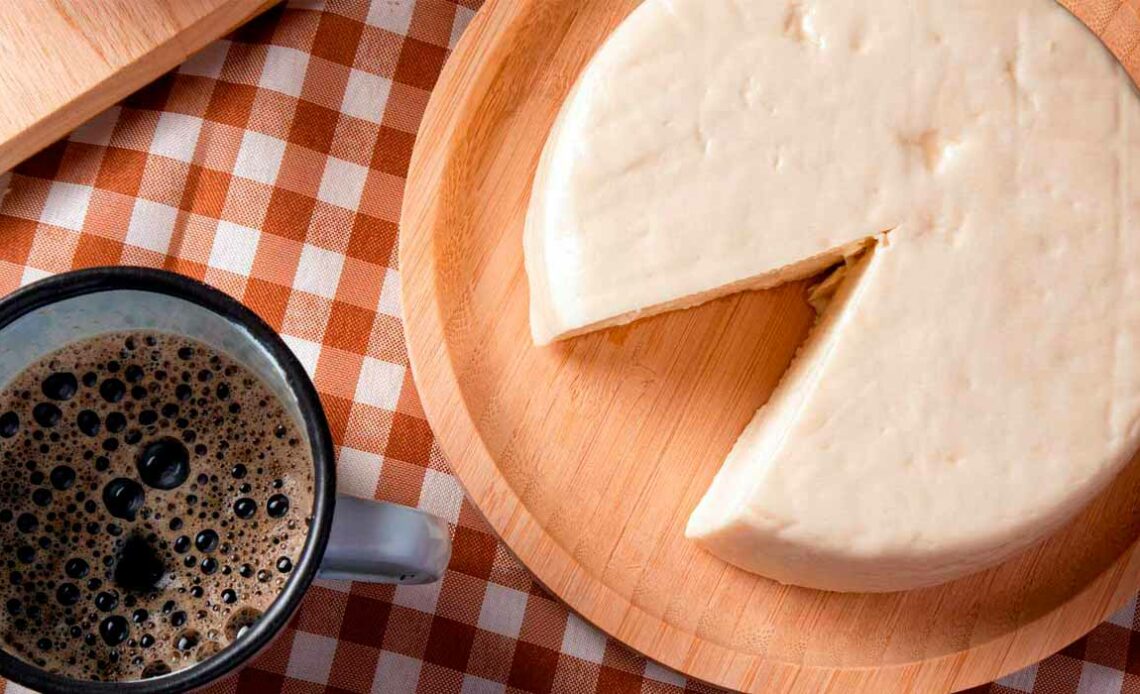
(974, 381)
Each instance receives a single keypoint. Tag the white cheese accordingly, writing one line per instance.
(976, 379)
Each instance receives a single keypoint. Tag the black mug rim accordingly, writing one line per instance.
(76, 283)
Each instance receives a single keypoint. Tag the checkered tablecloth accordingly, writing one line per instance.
(272, 165)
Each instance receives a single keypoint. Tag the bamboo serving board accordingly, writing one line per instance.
(64, 61)
(587, 457)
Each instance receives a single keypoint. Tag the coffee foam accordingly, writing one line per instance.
(154, 498)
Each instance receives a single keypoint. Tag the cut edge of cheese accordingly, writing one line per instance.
(546, 327)
(714, 523)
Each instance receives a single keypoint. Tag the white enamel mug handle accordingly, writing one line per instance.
(379, 542)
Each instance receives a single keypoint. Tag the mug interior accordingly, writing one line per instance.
(47, 315)
(51, 326)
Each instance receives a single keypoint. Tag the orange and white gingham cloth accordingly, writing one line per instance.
(272, 165)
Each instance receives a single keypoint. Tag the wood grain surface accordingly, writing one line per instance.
(588, 456)
(64, 61)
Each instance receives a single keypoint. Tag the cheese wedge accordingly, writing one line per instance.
(975, 377)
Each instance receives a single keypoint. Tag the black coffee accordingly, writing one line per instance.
(154, 497)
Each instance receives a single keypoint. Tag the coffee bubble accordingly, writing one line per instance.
(67, 594)
(60, 386)
(46, 414)
(245, 507)
(123, 498)
(27, 523)
(164, 464)
(76, 568)
(277, 506)
(116, 422)
(114, 630)
(9, 424)
(62, 477)
(112, 390)
(207, 540)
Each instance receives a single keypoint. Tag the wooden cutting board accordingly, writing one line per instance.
(587, 457)
(64, 61)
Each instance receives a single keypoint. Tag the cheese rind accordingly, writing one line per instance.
(972, 384)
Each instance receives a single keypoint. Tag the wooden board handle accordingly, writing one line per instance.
(62, 63)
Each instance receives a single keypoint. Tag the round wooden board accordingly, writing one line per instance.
(587, 457)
